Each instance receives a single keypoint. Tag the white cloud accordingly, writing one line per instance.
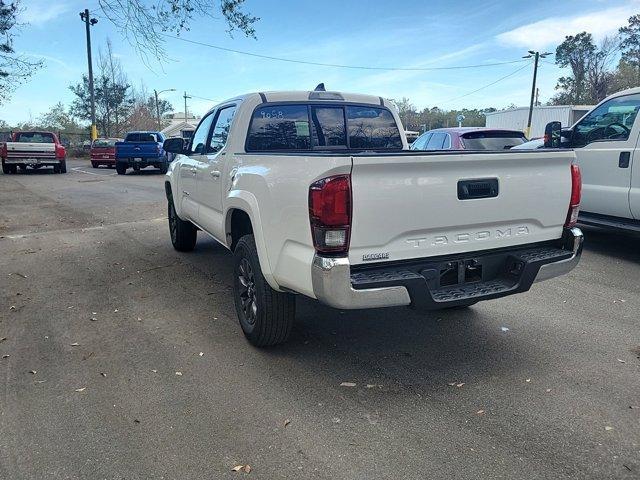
(38, 13)
(550, 32)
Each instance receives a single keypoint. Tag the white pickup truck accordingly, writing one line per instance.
(315, 193)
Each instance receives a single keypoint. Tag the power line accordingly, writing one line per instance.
(489, 84)
(336, 65)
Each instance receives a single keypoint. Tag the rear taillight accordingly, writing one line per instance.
(576, 193)
(330, 214)
(60, 151)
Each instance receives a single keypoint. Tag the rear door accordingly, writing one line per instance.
(422, 204)
(605, 144)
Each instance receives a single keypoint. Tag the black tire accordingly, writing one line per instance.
(63, 167)
(121, 168)
(266, 316)
(7, 169)
(56, 169)
(94, 164)
(164, 168)
(184, 234)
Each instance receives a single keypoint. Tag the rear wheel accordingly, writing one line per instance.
(121, 168)
(95, 164)
(184, 234)
(56, 169)
(63, 167)
(266, 315)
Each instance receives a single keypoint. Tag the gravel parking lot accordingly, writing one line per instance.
(123, 359)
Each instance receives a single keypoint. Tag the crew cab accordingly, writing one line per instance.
(103, 152)
(140, 150)
(34, 149)
(317, 194)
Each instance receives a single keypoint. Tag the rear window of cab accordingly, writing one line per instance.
(322, 127)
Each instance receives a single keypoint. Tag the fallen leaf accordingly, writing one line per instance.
(80, 389)
(347, 384)
(75, 344)
(480, 412)
(548, 390)
(154, 371)
(12, 307)
(633, 407)
(201, 353)
(373, 385)
(94, 313)
(287, 422)
(33, 372)
(242, 468)
(3, 339)
(5, 355)
(621, 361)
(93, 319)
(504, 329)
(528, 380)
(179, 374)
(115, 311)
(136, 421)
(452, 384)
(40, 381)
(608, 428)
(103, 374)
(459, 385)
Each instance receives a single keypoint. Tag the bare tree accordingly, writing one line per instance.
(14, 68)
(146, 23)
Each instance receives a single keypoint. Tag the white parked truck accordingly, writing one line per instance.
(316, 194)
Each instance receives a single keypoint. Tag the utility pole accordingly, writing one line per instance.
(537, 102)
(89, 22)
(156, 93)
(185, 105)
(537, 56)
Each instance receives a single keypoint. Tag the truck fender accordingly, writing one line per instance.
(247, 202)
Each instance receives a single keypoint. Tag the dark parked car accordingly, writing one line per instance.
(103, 152)
(468, 138)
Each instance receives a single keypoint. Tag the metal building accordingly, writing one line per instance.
(516, 118)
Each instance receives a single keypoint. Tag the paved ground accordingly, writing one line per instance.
(104, 313)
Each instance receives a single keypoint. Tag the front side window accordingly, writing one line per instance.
(328, 127)
(611, 121)
(372, 128)
(221, 130)
(421, 142)
(199, 139)
(436, 141)
(279, 127)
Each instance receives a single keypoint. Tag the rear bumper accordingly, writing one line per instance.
(466, 279)
(142, 161)
(31, 161)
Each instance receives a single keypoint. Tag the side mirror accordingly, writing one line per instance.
(174, 145)
(552, 134)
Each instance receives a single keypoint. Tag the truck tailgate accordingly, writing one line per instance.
(31, 150)
(415, 205)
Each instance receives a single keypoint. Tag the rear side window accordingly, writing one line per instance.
(141, 137)
(35, 137)
(372, 128)
(279, 127)
(487, 140)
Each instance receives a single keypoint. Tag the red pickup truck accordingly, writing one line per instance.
(33, 149)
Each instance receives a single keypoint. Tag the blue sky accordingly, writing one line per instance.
(373, 33)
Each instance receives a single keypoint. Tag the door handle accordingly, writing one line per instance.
(623, 161)
(185, 193)
(215, 173)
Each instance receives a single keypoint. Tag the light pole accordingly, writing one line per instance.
(536, 56)
(156, 93)
(185, 105)
(89, 22)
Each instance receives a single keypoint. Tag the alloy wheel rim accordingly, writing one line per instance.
(247, 288)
